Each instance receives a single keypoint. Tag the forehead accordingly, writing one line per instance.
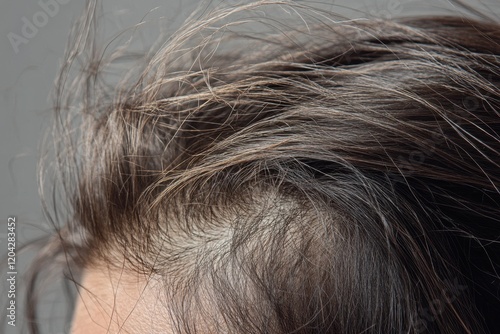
(116, 301)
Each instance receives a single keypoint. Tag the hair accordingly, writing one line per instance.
(336, 176)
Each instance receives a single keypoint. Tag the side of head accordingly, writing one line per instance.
(341, 179)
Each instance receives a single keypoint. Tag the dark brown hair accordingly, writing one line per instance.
(337, 176)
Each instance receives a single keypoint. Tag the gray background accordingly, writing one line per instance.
(26, 79)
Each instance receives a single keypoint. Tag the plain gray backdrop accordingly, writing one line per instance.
(29, 61)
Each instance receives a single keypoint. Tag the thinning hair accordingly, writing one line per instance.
(337, 176)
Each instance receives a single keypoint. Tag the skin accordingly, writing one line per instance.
(118, 301)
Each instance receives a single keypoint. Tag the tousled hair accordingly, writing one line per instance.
(338, 176)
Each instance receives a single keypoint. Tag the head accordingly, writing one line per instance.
(338, 177)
